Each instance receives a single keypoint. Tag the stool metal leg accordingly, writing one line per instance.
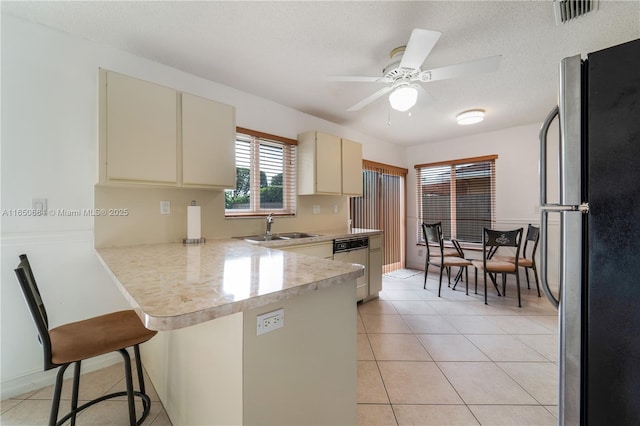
(129, 383)
(57, 391)
(76, 387)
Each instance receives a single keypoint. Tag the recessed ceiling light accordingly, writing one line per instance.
(470, 117)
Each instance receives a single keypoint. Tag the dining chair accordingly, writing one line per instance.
(491, 241)
(74, 342)
(528, 258)
(433, 236)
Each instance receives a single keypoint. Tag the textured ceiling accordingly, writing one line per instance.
(283, 50)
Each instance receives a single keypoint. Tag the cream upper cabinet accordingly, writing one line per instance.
(154, 135)
(208, 143)
(141, 128)
(351, 168)
(328, 165)
(319, 164)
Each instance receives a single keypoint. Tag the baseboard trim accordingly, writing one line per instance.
(34, 381)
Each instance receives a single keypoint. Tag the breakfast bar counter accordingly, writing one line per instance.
(208, 363)
(173, 285)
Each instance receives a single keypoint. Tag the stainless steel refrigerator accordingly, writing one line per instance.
(599, 223)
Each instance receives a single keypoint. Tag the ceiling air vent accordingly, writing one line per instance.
(567, 10)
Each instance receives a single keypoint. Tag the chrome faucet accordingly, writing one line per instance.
(269, 222)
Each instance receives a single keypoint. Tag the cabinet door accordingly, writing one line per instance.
(141, 131)
(328, 164)
(351, 168)
(375, 266)
(208, 143)
(324, 250)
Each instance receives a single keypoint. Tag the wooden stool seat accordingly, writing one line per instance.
(95, 336)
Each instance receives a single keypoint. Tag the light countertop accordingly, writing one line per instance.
(172, 286)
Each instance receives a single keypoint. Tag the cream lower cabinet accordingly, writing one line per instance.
(328, 165)
(154, 135)
(375, 266)
(373, 274)
(324, 249)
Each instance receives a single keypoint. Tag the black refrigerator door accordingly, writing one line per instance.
(612, 316)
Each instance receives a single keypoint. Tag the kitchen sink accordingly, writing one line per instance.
(292, 235)
(260, 238)
(277, 237)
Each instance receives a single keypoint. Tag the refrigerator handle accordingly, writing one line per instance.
(544, 131)
(544, 221)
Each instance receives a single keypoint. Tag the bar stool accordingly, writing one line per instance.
(74, 342)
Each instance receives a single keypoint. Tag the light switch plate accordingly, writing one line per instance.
(165, 207)
(39, 205)
(316, 209)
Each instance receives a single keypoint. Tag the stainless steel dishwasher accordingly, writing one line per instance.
(355, 250)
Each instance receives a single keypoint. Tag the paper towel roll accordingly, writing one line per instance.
(193, 222)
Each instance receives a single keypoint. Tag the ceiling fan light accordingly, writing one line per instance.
(470, 117)
(403, 98)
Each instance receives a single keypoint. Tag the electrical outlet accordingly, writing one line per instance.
(316, 209)
(420, 253)
(335, 209)
(165, 207)
(270, 321)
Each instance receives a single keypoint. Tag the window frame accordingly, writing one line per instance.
(256, 139)
(452, 191)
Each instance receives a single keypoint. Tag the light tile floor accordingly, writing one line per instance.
(422, 360)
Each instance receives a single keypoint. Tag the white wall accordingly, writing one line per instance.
(49, 150)
(517, 181)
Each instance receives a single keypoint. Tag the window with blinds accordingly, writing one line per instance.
(265, 175)
(461, 194)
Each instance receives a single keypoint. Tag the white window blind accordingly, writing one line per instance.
(265, 175)
(458, 193)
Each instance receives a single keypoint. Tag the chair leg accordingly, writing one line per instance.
(476, 276)
(466, 278)
(494, 282)
(76, 388)
(526, 272)
(136, 351)
(129, 386)
(518, 285)
(426, 270)
(485, 286)
(57, 391)
(535, 275)
(504, 284)
(440, 283)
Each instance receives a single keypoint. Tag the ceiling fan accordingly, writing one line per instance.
(403, 73)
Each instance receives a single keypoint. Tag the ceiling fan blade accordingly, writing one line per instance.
(371, 98)
(477, 66)
(420, 44)
(357, 79)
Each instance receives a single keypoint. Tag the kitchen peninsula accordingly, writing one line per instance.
(208, 364)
